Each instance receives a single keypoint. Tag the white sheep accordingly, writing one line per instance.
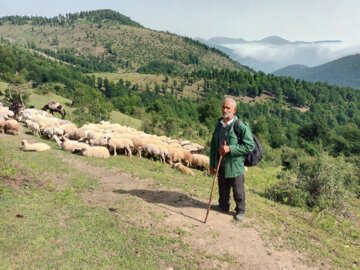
(69, 145)
(96, 151)
(156, 150)
(36, 147)
(120, 144)
(49, 132)
(34, 127)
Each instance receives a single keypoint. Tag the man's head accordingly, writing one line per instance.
(228, 109)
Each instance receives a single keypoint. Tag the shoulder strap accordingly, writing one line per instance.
(236, 129)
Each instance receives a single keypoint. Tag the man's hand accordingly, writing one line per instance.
(212, 171)
(223, 150)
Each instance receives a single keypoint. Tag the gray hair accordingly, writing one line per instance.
(233, 101)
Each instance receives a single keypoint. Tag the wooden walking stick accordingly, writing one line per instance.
(213, 185)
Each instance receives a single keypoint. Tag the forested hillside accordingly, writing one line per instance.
(343, 72)
(299, 124)
(106, 40)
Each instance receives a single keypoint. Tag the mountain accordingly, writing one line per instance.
(343, 72)
(112, 41)
(273, 52)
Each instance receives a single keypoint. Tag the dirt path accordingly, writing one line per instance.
(183, 215)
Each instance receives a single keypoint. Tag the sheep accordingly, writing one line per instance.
(200, 161)
(100, 141)
(12, 127)
(69, 145)
(49, 132)
(69, 130)
(36, 147)
(193, 147)
(176, 154)
(34, 127)
(183, 169)
(156, 150)
(96, 151)
(120, 143)
(2, 125)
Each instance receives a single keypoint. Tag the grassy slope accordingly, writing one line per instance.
(51, 233)
(59, 231)
(137, 46)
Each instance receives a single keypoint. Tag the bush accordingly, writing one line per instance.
(271, 156)
(287, 191)
(318, 183)
(323, 179)
(291, 158)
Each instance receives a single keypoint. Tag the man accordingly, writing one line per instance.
(231, 170)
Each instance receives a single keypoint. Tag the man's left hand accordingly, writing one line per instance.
(223, 150)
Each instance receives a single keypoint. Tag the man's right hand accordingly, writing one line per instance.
(212, 171)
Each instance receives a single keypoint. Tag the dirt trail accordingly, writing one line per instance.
(221, 236)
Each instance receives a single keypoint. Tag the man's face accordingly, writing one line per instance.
(228, 110)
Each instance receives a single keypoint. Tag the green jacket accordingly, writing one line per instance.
(234, 161)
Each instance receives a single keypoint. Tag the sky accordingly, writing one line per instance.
(294, 20)
(305, 20)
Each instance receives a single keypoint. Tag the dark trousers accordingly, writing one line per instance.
(237, 185)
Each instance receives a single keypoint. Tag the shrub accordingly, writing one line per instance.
(318, 183)
(271, 156)
(291, 158)
(323, 179)
(287, 191)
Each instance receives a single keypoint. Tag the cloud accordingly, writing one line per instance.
(311, 54)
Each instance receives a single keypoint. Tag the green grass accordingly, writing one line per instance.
(328, 237)
(43, 226)
(125, 120)
(3, 86)
(59, 231)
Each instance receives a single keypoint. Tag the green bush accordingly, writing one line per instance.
(286, 191)
(318, 182)
(323, 178)
(291, 158)
(271, 156)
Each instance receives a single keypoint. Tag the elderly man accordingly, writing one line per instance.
(233, 149)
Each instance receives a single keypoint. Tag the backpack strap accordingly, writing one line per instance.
(236, 129)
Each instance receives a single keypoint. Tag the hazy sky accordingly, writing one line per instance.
(306, 20)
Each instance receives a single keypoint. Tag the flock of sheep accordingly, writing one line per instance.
(104, 139)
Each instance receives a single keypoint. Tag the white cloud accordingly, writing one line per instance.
(312, 54)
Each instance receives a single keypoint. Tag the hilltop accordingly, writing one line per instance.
(105, 40)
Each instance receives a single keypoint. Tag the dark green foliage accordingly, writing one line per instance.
(86, 64)
(96, 16)
(76, 86)
(158, 67)
(318, 182)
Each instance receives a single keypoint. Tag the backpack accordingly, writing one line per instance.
(255, 156)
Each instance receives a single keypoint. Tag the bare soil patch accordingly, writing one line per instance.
(151, 206)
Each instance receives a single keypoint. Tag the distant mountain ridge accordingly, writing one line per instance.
(273, 52)
(275, 40)
(343, 72)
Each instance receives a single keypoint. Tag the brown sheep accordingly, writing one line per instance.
(12, 127)
(2, 125)
(183, 169)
